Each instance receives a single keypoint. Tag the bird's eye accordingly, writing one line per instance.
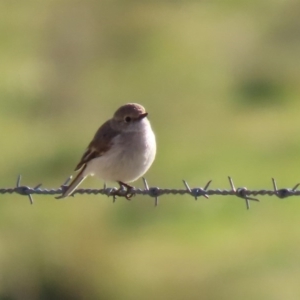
(127, 119)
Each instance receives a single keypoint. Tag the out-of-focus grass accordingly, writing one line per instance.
(221, 83)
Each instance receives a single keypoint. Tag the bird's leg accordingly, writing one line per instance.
(128, 187)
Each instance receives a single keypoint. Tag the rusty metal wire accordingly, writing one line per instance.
(155, 192)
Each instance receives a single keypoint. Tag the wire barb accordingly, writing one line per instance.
(197, 192)
(241, 193)
(285, 192)
(24, 190)
(152, 192)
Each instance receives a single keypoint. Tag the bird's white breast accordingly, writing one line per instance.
(129, 157)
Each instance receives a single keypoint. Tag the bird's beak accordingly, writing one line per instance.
(142, 116)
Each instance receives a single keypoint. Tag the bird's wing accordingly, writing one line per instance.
(100, 144)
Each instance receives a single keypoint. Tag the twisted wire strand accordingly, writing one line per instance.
(155, 192)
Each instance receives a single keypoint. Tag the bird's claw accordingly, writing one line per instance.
(129, 194)
(125, 190)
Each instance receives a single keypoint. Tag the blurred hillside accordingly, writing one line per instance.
(221, 82)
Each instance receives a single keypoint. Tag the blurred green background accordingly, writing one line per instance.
(221, 82)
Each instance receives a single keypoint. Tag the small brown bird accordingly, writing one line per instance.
(122, 150)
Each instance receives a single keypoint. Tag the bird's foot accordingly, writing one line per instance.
(128, 190)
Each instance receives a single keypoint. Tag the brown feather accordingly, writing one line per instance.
(101, 142)
(73, 185)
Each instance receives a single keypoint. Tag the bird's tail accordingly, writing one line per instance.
(74, 184)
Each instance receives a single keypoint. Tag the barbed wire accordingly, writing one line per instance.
(155, 192)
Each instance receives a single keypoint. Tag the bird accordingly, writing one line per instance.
(122, 150)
